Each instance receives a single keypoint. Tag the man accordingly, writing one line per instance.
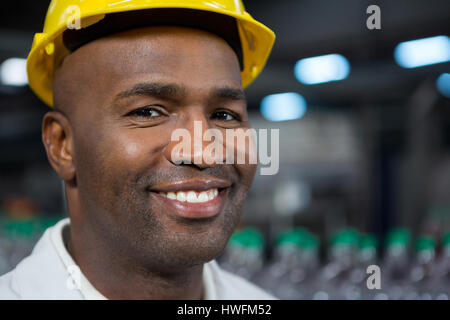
(142, 225)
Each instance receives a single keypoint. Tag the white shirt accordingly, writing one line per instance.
(49, 273)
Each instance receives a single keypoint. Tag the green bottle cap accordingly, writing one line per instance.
(47, 222)
(289, 238)
(425, 242)
(446, 239)
(237, 238)
(298, 237)
(368, 241)
(310, 242)
(254, 238)
(248, 237)
(301, 231)
(399, 236)
(19, 227)
(347, 237)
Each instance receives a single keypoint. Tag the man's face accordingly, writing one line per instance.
(127, 94)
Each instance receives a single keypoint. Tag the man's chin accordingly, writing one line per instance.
(203, 250)
(189, 253)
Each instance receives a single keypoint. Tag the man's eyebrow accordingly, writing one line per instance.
(173, 91)
(167, 91)
(229, 93)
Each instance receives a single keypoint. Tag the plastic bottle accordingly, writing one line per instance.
(333, 283)
(367, 256)
(244, 254)
(305, 276)
(422, 273)
(275, 277)
(442, 275)
(21, 235)
(395, 283)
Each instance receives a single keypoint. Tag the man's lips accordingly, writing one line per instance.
(193, 199)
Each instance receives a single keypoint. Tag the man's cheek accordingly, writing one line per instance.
(127, 153)
(138, 147)
(131, 150)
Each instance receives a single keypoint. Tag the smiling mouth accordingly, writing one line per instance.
(197, 198)
(191, 204)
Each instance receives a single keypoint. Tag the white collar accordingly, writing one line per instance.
(78, 278)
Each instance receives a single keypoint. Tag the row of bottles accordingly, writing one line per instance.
(300, 267)
(299, 270)
(18, 237)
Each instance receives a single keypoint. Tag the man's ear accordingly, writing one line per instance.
(58, 141)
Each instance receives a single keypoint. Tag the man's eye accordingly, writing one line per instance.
(224, 116)
(147, 112)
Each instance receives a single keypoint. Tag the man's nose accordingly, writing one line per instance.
(188, 146)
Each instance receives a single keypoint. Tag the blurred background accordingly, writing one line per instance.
(364, 176)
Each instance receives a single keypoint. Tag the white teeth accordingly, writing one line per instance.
(181, 196)
(171, 195)
(203, 196)
(192, 196)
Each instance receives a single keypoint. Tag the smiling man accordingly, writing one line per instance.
(142, 226)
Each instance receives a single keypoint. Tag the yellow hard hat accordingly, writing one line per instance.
(71, 23)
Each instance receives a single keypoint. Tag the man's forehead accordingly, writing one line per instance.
(188, 59)
(155, 48)
(148, 41)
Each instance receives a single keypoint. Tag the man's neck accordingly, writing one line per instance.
(117, 277)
